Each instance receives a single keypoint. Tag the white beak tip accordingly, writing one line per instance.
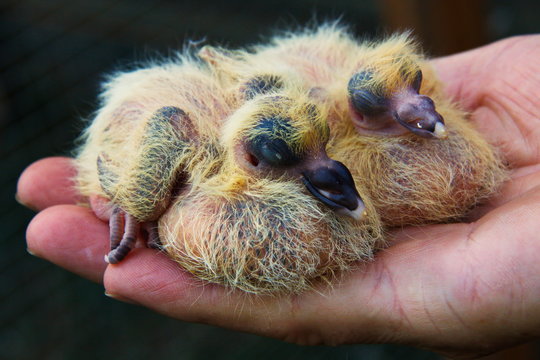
(440, 131)
(357, 214)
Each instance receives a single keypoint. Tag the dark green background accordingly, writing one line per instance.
(53, 55)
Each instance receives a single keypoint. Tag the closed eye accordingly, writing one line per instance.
(277, 153)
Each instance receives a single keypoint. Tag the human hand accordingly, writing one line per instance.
(461, 289)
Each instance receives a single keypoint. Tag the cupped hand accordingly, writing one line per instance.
(460, 289)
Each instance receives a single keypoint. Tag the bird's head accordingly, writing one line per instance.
(385, 92)
(279, 133)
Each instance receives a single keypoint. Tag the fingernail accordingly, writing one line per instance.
(18, 199)
(32, 253)
(121, 298)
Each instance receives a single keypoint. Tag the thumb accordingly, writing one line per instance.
(470, 75)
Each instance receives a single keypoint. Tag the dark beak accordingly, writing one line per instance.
(417, 113)
(331, 182)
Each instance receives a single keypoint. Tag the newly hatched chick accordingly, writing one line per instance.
(403, 140)
(240, 187)
(261, 232)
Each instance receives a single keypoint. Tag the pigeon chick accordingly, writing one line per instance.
(237, 189)
(139, 150)
(407, 144)
(261, 232)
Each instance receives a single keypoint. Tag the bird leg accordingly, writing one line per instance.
(151, 229)
(116, 227)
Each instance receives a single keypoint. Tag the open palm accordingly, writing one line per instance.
(462, 289)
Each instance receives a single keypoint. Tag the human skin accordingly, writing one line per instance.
(462, 289)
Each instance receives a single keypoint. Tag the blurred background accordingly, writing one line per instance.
(53, 55)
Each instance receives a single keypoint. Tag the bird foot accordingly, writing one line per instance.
(123, 235)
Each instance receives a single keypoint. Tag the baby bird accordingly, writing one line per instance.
(228, 164)
(403, 140)
(235, 186)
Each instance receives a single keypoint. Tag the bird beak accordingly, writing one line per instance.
(331, 182)
(417, 114)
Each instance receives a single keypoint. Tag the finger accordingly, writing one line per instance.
(521, 182)
(462, 75)
(151, 279)
(469, 75)
(324, 315)
(487, 273)
(71, 237)
(466, 75)
(495, 84)
(47, 182)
